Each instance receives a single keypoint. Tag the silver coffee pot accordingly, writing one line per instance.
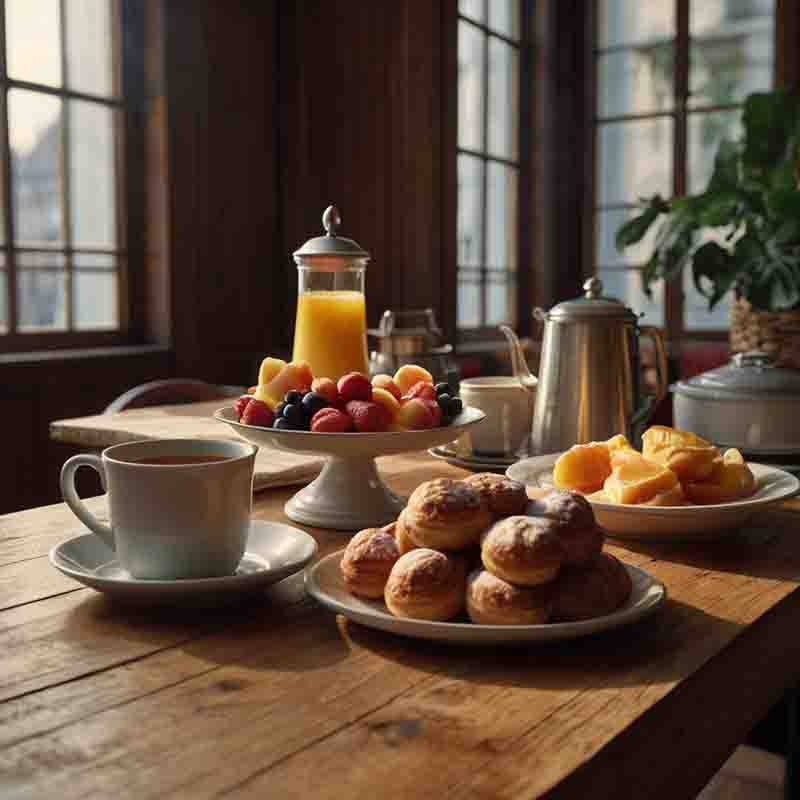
(589, 386)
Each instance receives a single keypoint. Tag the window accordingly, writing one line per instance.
(491, 50)
(671, 76)
(61, 238)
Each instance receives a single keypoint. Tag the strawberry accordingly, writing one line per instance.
(331, 420)
(354, 386)
(369, 417)
(421, 389)
(258, 413)
(241, 404)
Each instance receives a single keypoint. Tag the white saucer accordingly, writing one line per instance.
(471, 461)
(273, 552)
(324, 583)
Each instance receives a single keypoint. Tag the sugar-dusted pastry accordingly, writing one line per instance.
(403, 537)
(501, 495)
(688, 455)
(523, 550)
(367, 561)
(577, 528)
(593, 590)
(444, 514)
(635, 479)
(426, 584)
(730, 479)
(493, 601)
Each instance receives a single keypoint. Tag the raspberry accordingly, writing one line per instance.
(241, 404)
(369, 417)
(421, 389)
(258, 413)
(331, 420)
(354, 386)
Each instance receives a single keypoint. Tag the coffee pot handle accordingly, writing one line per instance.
(651, 402)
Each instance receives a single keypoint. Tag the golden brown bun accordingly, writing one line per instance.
(403, 536)
(493, 601)
(579, 533)
(501, 495)
(444, 514)
(593, 590)
(426, 584)
(367, 561)
(523, 550)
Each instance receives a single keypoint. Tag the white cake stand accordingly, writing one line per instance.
(348, 494)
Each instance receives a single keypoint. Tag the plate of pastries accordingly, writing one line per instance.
(679, 487)
(476, 561)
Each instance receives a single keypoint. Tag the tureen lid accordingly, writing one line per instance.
(750, 374)
(593, 304)
(331, 244)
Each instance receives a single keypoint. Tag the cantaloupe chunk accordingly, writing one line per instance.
(688, 455)
(634, 479)
(730, 479)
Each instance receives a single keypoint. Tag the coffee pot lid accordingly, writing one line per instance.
(593, 304)
(331, 244)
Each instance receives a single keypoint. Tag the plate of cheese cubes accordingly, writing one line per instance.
(679, 487)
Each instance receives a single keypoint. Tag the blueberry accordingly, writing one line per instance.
(292, 397)
(446, 420)
(456, 406)
(443, 388)
(294, 415)
(312, 403)
(282, 424)
(445, 402)
(279, 409)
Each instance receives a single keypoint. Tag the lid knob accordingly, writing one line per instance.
(593, 288)
(331, 220)
(753, 358)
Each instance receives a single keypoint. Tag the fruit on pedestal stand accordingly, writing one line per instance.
(331, 420)
(409, 374)
(327, 388)
(369, 417)
(421, 389)
(354, 386)
(293, 376)
(386, 382)
(387, 399)
(416, 415)
(270, 367)
(241, 404)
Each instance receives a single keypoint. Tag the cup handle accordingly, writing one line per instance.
(71, 498)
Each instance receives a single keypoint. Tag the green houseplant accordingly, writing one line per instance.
(752, 202)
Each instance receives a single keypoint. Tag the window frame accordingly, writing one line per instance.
(476, 338)
(673, 302)
(127, 77)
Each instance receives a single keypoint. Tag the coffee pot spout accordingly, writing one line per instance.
(518, 361)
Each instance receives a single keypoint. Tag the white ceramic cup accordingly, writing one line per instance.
(509, 414)
(176, 520)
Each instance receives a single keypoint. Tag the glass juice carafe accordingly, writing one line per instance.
(330, 331)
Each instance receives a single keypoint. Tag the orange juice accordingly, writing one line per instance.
(330, 333)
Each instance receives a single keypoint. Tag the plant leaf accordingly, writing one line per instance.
(634, 229)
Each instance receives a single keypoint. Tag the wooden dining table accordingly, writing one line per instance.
(274, 696)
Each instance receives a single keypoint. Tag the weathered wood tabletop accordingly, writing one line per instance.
(280, 698)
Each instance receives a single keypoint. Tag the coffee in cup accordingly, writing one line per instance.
(179, 508)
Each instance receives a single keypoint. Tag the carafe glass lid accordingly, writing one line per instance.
(593, 304)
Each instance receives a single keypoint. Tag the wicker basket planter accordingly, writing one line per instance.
(773, 332)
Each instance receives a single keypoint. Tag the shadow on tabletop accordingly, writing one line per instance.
(768, 548)
(651, 651)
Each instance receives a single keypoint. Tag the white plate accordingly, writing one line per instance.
(324, 583)
(273, 552)
(348, 494)
(475, 463)
(670, 523)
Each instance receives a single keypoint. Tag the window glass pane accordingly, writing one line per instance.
(35, 138)
(635, 160)
(33, 41)
(470, 86)
(626, 285)
(94, 299)
(705, 130)
(96, 260)
(501, 216)
(470, 208)
(89, 37)
(41, 300)
(503, 122)
(634, 21)
(732, 53)
(91, 172)
(500, 297)
(635, 81)
(3, 301)
(696, 315)
(608, 223)
(474, 9)
(469, 298)
(504, 17)
(40, 259)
